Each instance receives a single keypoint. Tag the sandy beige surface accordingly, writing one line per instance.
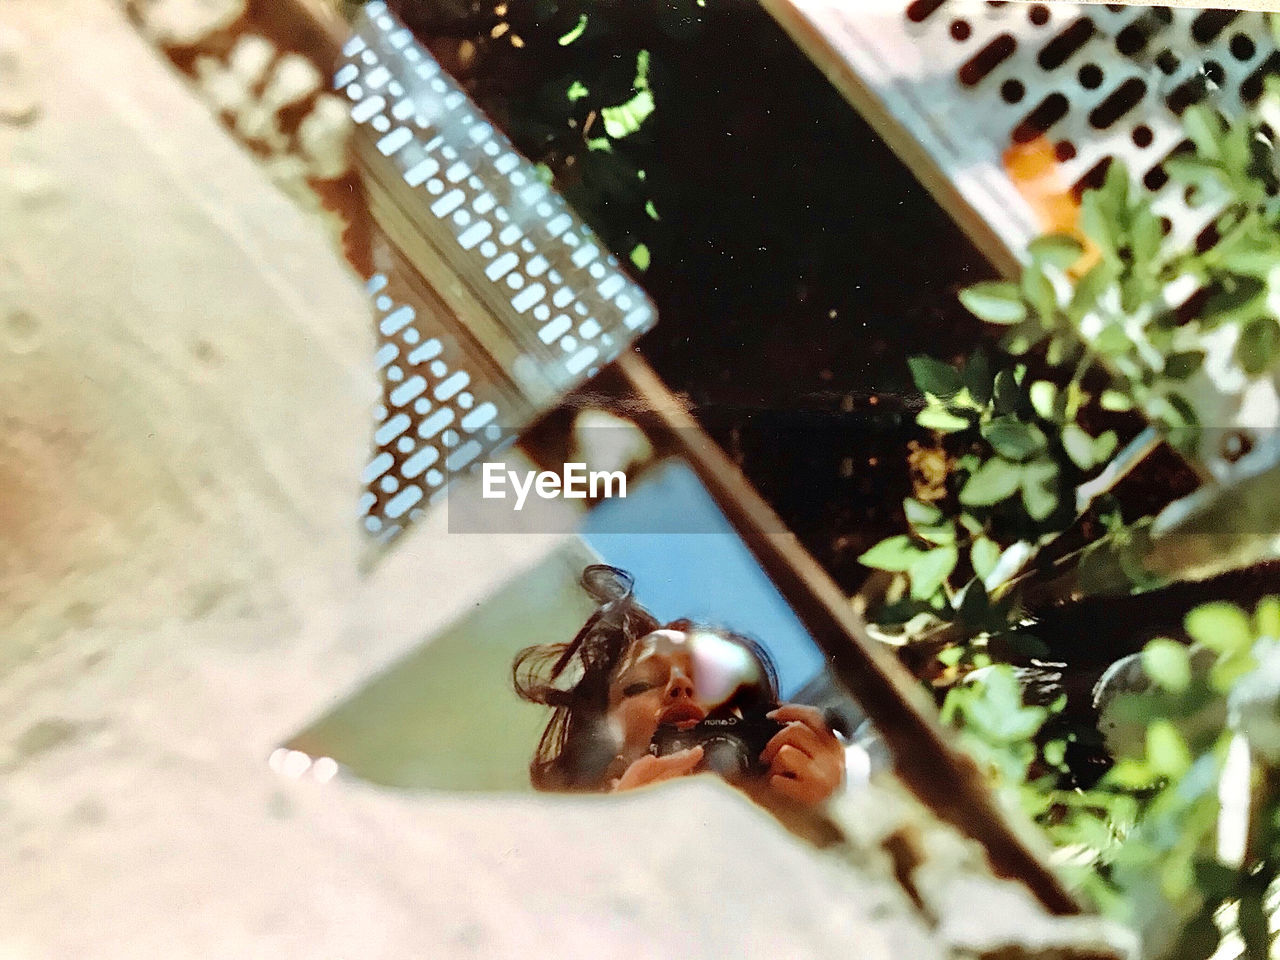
(186, 382)
(186, 377)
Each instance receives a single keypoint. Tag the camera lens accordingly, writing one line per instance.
(725, 756)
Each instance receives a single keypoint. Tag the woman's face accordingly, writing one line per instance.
(672, 677)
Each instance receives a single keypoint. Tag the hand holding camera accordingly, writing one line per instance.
(789, 751)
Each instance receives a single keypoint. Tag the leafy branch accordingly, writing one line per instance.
(1182, 837)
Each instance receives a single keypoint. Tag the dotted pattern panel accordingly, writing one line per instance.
(1097, 82)
(1021, 107)
(560, 296)
(434, 419)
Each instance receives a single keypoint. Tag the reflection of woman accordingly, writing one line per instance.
(624, 676)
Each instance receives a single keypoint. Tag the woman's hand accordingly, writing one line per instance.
(650, 769)
(805, 760)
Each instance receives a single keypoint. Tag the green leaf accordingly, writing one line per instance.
(1198, 940)
(1113, 340)
(1055, 752)
(1044, 397)
(977, 378)
(939, 418)
(994, 301)
(1059, 249)
(1167, 664)
(895, 554)
(1062, 347)
(1267, 617)
(1230, 668)
(1027, 645)
(1008, 393)
(1115, 400)
(1039, 292)
(641, 82)
(1089, 289)
(1214, 878)
(1104, 445)
(576, 92)
(1235, 299)
(1040, 488)
(938, 533)
(1014, 439)
(1132, 775)
(1098, 226)
(1172, 409)
(1078, 444)
(1145, 239)
(984, 554)
(1220, 626)
(1204, 175)
(921, 514)
(1246, 251)
(626, 118)
(974, 603)
(1103, 212)
(995, 480)
(1167, 753)
(1179, 366)
(640, 256)
(930, 570)
(1254, 926)
(1259, 345)
(1021, 338)
(1085, 451)
(1113, 195)
(1204, 128)
(935, 377)
(574, 33)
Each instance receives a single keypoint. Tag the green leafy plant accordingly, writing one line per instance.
(1141, 305)
(1182, 838)
(578, 84)
(1128, 312)
(1020, 453)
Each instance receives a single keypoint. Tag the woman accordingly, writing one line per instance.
(625, 677)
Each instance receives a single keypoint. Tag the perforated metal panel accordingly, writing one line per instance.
(1010, 111)
(975, 84)
(540, 304)
(434, 419)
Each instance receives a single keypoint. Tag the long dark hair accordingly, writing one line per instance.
(573, 679)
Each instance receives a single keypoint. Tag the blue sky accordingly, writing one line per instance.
(703, 572)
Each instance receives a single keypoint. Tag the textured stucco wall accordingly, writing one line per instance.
(185, 379)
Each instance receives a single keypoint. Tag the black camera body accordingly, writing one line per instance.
(731, 745)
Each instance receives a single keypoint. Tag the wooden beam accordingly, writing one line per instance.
(944, 778)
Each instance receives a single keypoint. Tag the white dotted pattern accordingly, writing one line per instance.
(1096, 82)
(561, 295)
(434, 422)
(1017, 104)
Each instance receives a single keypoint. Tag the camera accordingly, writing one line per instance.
(731, 745)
